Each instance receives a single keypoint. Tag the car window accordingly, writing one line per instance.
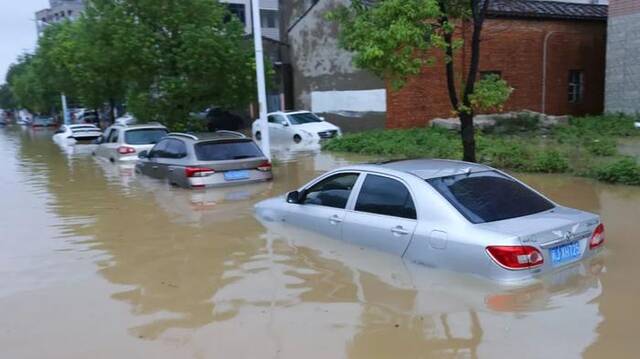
(175, 149)
(227, 150)
(302, 118)
(489, 196)
(144, 136)
(277, 119)
(386, 196)
(331, 192)
(160, 149)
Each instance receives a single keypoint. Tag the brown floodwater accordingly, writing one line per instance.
(96, 262)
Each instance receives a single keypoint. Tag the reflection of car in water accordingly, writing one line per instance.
(124, 143)
(431, 311)
(217, 159)
(447, 214)
(298, 126)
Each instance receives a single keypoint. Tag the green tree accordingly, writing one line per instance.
(7, 100)
(184, 55)
(395, 39)
(28, 83)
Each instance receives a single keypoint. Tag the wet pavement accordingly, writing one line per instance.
(96, 262)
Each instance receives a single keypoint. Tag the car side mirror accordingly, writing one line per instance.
(294, 197)
(143, 154)
(322, 118)
(99, 140)
(284, 124)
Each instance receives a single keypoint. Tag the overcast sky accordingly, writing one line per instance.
(17, 29)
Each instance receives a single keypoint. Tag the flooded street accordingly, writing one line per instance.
(97, 262)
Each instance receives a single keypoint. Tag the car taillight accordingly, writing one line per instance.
(264, 166)
(516, 257)
(125, 150)
(597, 238)
(198, 172)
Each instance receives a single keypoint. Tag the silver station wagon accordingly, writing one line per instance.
(217, 159)
(445, 214)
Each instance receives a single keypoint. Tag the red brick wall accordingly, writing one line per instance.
(623, 7)
(515, 48)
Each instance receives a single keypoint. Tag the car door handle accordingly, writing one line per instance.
(170, 170)
(154, 167)
(335, 219)
(399, 231)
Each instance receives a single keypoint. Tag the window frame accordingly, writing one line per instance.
(360, 185)
(349, 204)
(153, 153)
(575, 91)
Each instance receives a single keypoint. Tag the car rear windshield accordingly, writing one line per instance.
(489, 196)
(146, 136)
(227, 150)
(302, 118)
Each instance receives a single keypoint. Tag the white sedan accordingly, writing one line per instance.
(74, 133)
(297, 127)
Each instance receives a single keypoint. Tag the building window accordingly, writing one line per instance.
(485, 74)
(269, 18)
(576, 86)
(239, 11)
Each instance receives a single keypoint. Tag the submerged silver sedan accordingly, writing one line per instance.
(446, 214)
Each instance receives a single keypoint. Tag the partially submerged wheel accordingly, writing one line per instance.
(297, 138)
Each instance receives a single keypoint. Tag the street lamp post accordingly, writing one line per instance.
(262, 92)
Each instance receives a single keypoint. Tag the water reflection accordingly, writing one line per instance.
(183, 273)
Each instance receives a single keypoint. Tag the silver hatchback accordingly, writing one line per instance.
(446, 214)
(217, 159)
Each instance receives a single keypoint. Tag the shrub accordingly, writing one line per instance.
(549, 161)
(624, 170)
(602, 147)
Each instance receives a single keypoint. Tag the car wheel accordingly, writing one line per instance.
(258, 136)
(297, 138)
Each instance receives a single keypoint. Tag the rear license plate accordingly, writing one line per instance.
(236, 175)
(565, 253)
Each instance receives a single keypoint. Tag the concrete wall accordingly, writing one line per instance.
(324, 77)
(623, 52)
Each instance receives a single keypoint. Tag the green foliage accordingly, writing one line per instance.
(596, 127)
(602, 147)
(624, 170)
(391, 38)
(525, 151)
(522, 123)
(490, 93)
(164, 58)
(7, 100)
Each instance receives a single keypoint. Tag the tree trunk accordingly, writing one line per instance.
(112, 110)
(467, 132)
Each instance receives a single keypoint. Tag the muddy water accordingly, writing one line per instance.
(96, 262)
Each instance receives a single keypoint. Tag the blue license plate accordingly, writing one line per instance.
(565, 253)
(236, 175)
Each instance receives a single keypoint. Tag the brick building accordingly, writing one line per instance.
(623, 52)
(551, 53)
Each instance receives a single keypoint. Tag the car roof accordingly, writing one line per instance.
(427, 168)
(139, 126)
(78, 125)
(209, 136)
(288, 112)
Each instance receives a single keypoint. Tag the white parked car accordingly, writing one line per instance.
(124, 143)
(296, 126)
(125, 120)
(75, 133)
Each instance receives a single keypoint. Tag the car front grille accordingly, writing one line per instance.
(328, 134)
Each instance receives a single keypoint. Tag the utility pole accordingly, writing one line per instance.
(262, 91)
(65, 110)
